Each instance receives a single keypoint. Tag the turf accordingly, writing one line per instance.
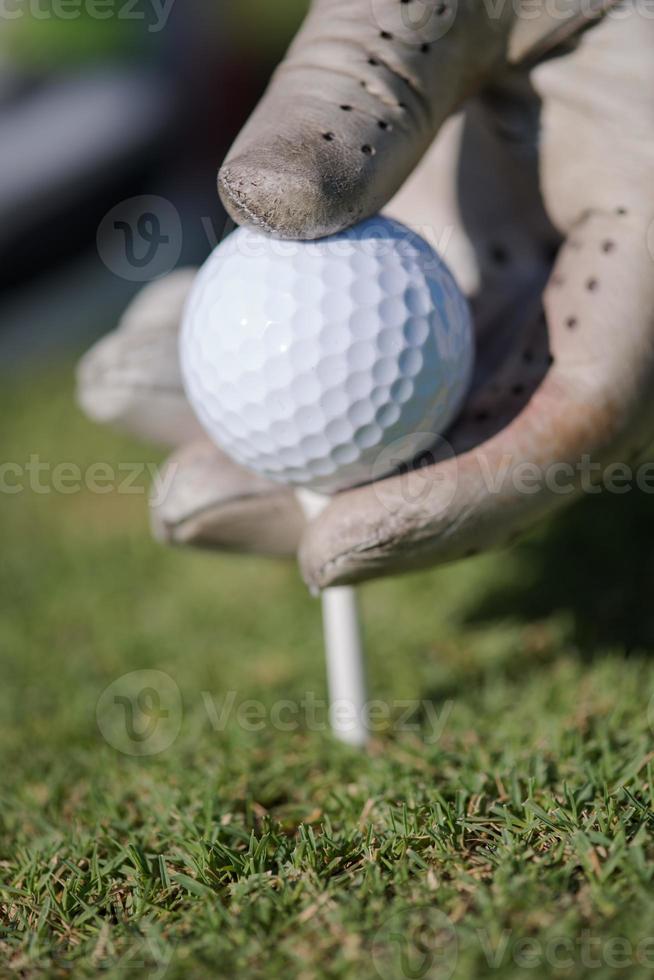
(503, 828)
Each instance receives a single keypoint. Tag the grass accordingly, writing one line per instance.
(506, 832)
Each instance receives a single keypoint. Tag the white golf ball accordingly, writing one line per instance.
(305, 360)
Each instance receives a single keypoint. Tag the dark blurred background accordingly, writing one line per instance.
(102, 101)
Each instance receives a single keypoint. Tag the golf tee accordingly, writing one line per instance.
(343, 649)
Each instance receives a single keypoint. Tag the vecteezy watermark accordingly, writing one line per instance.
(147, 955)
(422, 22)
(421, 482)
(416, 943)
(373, 239)
(422, 943)
(418, 22)
(650, 713)
(43, 477)
(561, 10)
(565, 952)
(140, 713)
(431, 481)
(650, 238)
(311, 713)
(140, 239)
(153, 14)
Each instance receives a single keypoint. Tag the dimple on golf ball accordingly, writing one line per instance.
(305, 360)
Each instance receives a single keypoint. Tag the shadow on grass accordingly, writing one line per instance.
(594, 562)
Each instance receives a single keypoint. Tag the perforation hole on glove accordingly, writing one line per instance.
(499, 254)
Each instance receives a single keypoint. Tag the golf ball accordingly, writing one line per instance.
(305, 360)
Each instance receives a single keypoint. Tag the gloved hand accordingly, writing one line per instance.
(537, 190)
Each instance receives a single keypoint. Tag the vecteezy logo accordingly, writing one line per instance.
(140, 239)
(140, 713)
(149, 229)
(650, 713)
(417, 943)
(420, 482)
(419, 22)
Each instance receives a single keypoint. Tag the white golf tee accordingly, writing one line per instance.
(346, 678)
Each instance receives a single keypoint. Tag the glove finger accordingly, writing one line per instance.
(348, 114)
(203, 498)
(512, 465)
(131, 378)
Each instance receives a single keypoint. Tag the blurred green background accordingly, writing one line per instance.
(38, 41)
